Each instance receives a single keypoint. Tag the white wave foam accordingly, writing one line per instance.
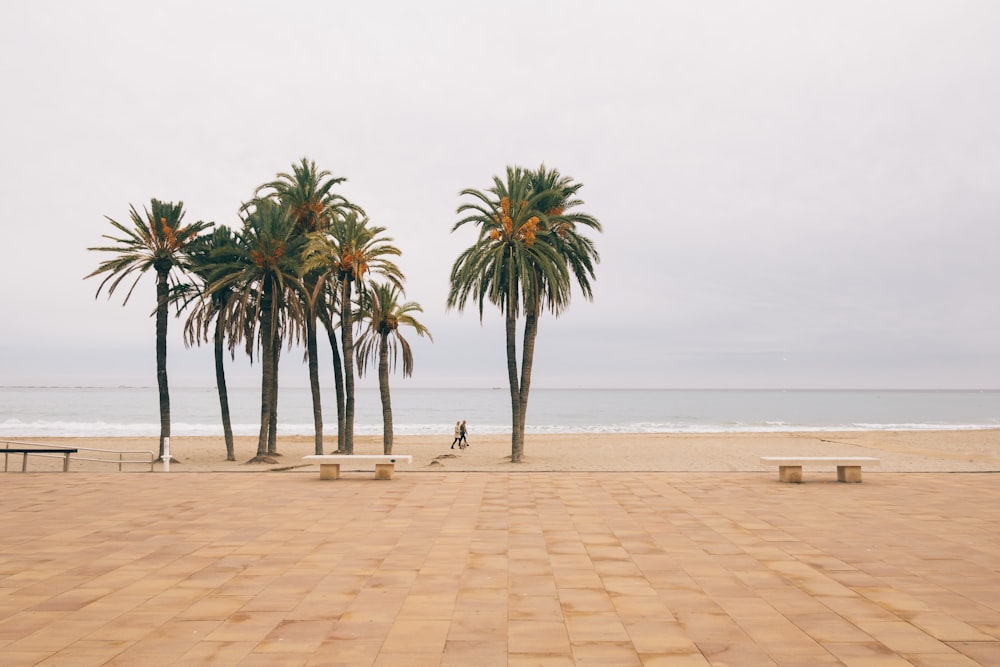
(11, 428)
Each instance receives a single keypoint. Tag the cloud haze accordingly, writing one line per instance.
(794, 194)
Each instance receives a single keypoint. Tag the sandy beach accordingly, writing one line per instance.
(899, 451)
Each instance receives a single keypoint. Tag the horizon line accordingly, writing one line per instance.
(501, 388)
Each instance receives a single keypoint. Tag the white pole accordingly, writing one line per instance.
(166, 455)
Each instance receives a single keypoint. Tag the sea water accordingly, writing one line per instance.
(134, 411)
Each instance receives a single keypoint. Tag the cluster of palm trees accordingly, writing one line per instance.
(528, 253)
(304, 258)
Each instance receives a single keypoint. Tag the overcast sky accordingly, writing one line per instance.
(793, 194)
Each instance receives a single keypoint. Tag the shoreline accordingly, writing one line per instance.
(899, 451)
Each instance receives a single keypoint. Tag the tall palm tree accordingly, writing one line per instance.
(381, 315)
(520, 262)
(556, 202)
(157, 240)
(308, 192)
(206, 256)
(263, 273)
(344, 255)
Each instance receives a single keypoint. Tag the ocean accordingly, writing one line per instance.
(134, 411)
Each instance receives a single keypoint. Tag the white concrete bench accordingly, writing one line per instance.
(790, 467)
(329, 464)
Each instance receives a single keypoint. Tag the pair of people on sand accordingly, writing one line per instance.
(460, 433)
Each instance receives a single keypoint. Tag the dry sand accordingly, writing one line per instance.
(899, 451)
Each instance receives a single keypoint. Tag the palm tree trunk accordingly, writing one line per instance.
(220, 382)
(312, 352)
(272, 420)
(347, 340)
(161, 356)
(383, 386)
(338, 385)
(516, 436)
(267, 369)
(338, 380)
(527, 361)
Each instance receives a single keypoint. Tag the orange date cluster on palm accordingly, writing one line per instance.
(525, 231)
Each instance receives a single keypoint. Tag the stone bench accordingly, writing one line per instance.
(329, 464)
(790, 467)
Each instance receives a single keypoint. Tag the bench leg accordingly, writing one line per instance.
(849, 474)
(329, 470)
(384, 470)
(791, 474)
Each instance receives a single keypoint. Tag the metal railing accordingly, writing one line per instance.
(143, 457)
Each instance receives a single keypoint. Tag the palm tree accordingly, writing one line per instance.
(309, 194)
(157, 240)
(206, 256)
(344, 255)
(263, 274)
(382, 314)
(522, 260)
(556, 197)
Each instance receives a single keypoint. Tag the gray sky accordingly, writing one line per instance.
(794, 194)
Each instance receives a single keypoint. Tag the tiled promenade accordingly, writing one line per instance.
(503, 568)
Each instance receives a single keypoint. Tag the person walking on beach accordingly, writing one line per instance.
(463, 431)
(458, 435)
